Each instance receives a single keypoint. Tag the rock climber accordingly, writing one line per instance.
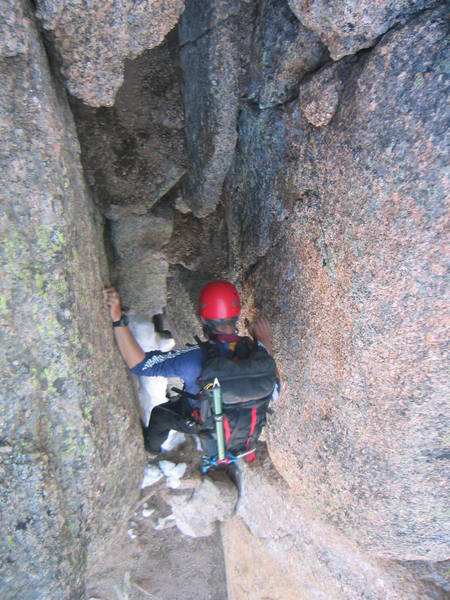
(219, 309)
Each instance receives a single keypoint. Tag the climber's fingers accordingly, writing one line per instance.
(112, 298)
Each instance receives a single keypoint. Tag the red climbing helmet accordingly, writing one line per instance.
(219, 300)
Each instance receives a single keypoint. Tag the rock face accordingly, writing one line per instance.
(92, 41)
(347, 28)
(134, 155)
(134, 152)
(319, 185)
(275, 547)
(210, 55)
(71, 454)
(141, 263)
(358, 300)
(211, 503)
(283, 51)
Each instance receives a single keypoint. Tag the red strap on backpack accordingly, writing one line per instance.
(252, 428)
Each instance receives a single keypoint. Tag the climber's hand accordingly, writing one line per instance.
(113, 301)
(260, 329)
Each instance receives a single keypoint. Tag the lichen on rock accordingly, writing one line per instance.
(68, 421)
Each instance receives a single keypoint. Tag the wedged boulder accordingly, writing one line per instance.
(92, 40)
(134, 152)
(71, 455)
(276, 547)
(210, 56)
(283, 51)
(358, 302)
(346, 28)
(141, 263)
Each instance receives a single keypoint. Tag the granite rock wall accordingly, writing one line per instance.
(301, 152)
(71, 456)
(335, 204)
(359, 297)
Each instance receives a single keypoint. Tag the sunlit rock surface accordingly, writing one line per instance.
(71, 455)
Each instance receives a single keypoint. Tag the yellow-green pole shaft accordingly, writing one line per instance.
(218, 417)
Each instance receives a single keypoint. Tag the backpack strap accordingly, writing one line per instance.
(252, 426)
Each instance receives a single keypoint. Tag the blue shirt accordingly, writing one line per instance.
(186, 364)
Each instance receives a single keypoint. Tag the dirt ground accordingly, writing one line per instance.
(147, 563)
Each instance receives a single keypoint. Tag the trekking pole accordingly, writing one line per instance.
(218, 418)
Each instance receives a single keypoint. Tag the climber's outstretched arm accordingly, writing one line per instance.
(130, 350)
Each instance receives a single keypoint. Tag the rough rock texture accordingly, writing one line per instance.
(331, 208)
(319, 96)
(134, 153)
(15, 29)
(283, 51)
(141, 265)
(210, 58)
(197, 253)
(92, 39)
(358, 301)
(153, 559)
(134, 156)
(348, 27)
(200, 244)
(70, 447)
(211, 503)
(257, 197)
(275, 547)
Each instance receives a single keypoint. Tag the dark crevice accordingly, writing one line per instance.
(207, 31)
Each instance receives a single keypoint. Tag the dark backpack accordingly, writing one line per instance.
(247, 380)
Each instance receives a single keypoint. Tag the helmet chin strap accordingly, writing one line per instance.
(212, 331)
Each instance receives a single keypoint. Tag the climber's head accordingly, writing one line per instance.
(219, 307)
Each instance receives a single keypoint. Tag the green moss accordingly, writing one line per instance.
(9, 248)
(11, 542)
(58, 286)
(39, 281)
(34, 378)
(73, 529)
(73, 337)
(87, 413)
(59, 241)
(40, 328)
(42, 235)
(84, 449)
(50, 374)
(3, 305)
(49, 239)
